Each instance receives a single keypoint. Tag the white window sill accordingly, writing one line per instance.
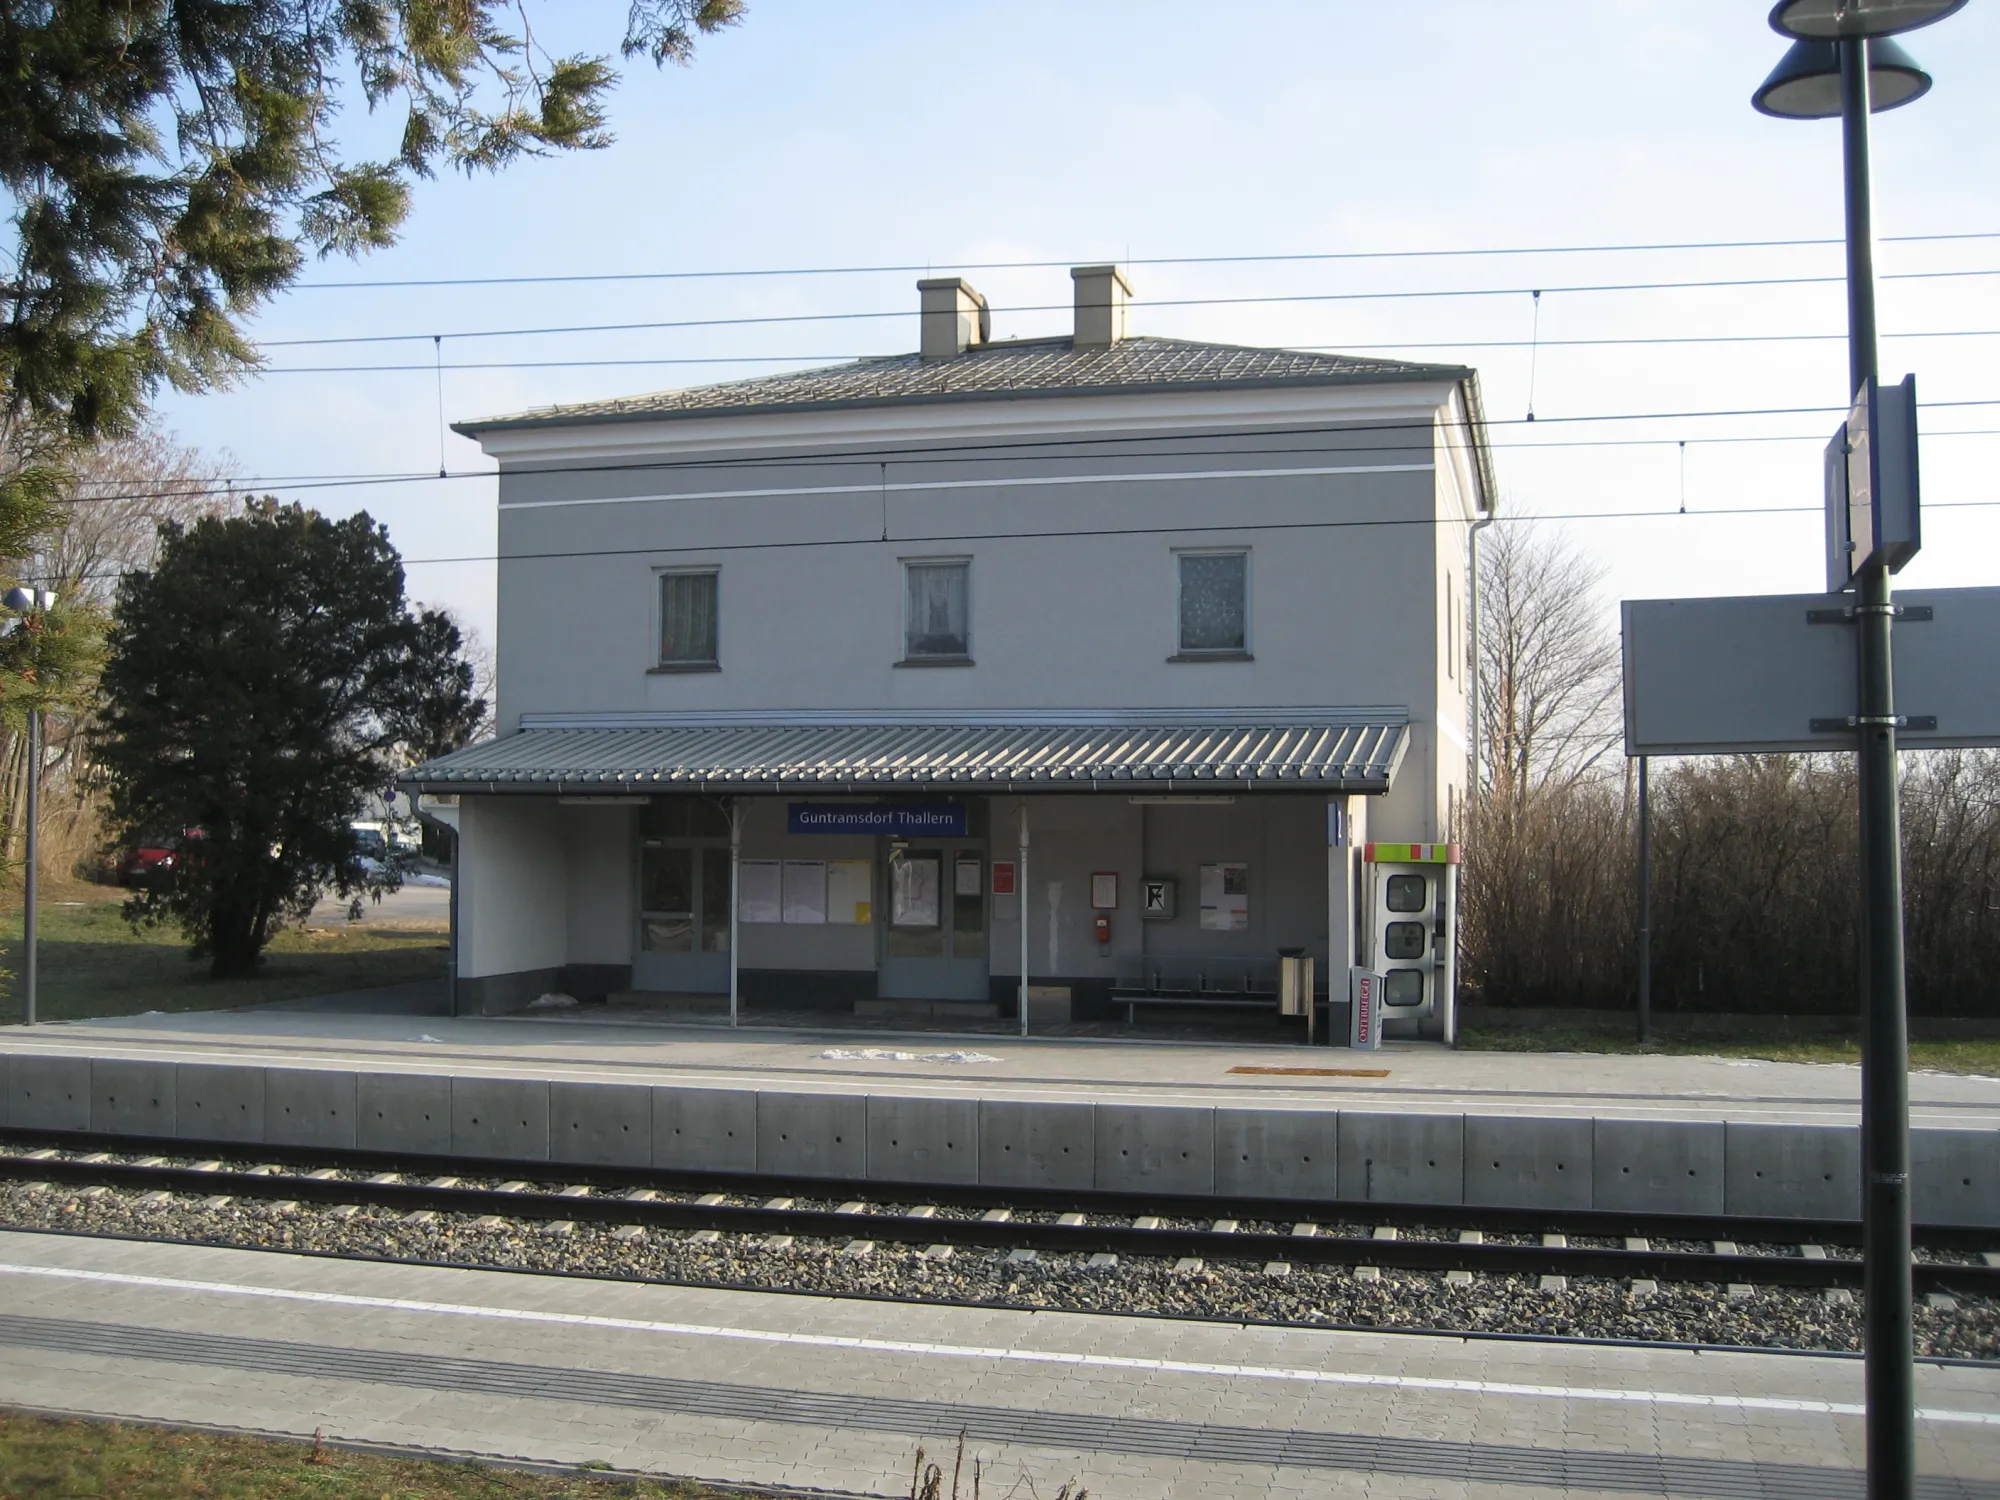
(674, 668)
(1212, 656)
(936, 661)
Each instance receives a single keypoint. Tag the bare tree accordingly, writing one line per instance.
(121, 491)
(1548, 665)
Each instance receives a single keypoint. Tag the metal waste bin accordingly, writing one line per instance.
(1295, 982)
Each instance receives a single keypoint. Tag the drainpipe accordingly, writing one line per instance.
(735, 894)
(1472, 670)
(1021, 885)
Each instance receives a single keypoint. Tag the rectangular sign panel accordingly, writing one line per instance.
(924, 820)
(1751, 674)
(1364, 1015)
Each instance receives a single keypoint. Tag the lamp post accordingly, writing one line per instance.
(25, 603)
(1844, 65)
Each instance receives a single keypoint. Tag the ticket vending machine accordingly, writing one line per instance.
(1410, 936)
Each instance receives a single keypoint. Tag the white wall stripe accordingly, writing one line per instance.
(1018, 482)
(1017, 1356)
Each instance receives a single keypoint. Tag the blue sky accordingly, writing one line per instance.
(879, 133)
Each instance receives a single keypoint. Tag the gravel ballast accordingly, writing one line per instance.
(1587, 1307)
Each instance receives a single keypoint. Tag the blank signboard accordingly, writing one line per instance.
(1749, 674)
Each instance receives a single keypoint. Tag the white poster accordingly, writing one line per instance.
(967, 875)
(805, 891)
(760, 887)
(850, 892)
(914, 882)
(1225, 897)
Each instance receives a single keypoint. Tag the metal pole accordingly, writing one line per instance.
(29, 912)
(1645, 907)
(735, 882)
(1021, 885)
(1885, 1100)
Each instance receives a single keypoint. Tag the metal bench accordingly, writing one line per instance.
(1219, 984)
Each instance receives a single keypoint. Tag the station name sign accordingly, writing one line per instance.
(934, 820)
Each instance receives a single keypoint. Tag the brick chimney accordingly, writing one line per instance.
(1101, 294)
(955, 317)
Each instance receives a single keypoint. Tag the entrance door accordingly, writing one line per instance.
(934, 941)
(683, 937)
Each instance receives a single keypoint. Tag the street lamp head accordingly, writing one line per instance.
(1805, 85)
(1831, 20)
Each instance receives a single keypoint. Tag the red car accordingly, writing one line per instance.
(152, 860)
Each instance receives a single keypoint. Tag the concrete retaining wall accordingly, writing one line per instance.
(1497, 1161)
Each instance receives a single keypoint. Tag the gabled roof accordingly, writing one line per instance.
(1017, 368)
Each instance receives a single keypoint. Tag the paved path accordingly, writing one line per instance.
(1415, 1076)
(836, 1394)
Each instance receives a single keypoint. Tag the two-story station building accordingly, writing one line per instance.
(853, 687)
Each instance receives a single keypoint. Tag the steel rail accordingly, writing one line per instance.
(1591, 1223)
(1077, 1239)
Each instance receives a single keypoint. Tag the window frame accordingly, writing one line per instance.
(1183, 652)
(908, 658)
(710, 663)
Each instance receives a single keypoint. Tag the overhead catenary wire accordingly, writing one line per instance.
(1087, 533)
(748, 273)
(1010, 450)
(824, 359)
(1275, 298)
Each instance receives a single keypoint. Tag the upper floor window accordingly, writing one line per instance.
(1214, 603)
(687, 618)
(937, 613)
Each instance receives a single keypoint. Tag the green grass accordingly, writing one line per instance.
(93, 963)
(1982, 1056)
(78, 1460)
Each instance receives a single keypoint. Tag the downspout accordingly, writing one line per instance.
(1474, 420)
(735, 897)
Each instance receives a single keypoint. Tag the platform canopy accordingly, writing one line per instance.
(1338, 751)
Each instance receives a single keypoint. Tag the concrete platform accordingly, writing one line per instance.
(1412, 1124)
(836, 1395)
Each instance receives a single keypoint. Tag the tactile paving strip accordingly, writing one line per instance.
(1542, 1469)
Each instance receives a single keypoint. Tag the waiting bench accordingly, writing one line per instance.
(1214, 984)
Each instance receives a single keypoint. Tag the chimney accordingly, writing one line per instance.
(1101, 293)
(955, 317)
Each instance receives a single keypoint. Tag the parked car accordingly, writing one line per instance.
(150, 861)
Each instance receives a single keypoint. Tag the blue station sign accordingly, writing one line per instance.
(936, 820)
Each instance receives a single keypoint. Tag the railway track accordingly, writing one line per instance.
(1364, 1239)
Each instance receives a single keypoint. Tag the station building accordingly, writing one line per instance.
(865, 687)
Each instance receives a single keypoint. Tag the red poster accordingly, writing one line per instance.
(1003, 877)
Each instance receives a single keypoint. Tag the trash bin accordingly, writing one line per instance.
(1295, 982)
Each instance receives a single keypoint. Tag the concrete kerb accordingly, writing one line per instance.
(1287, 1151)
(1516, 1162)
(309, 1107)
(1792, 1171)
(219, 1102)
(696, 1129)
(1278, 1153)
(38, 1092)
(812, 1135)
(129, 1096)
(403, 1112)
(601, 1124)
(1407, 1158)
(505, 1118)
(1164, 1148)
(923, 1140)
(1657, 1166)
(1037, 1145)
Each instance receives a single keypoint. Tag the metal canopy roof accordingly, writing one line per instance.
(1348, 756)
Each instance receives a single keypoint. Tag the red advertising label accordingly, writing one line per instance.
(1003, 877)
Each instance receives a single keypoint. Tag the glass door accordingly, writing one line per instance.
(934, 938)
(683, 939)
